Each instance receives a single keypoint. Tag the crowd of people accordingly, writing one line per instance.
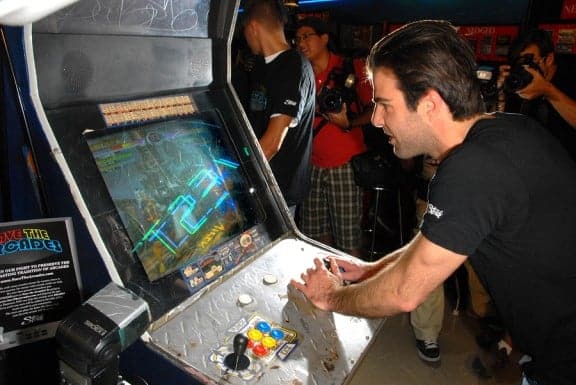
(497, 190)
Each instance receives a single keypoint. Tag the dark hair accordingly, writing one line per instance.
(538, 37)
(429, 54)
(270, 12)
(317, 24)
(320, 27)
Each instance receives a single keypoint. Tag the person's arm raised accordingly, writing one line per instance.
(562, 103)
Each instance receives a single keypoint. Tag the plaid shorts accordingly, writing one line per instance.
(333, 207)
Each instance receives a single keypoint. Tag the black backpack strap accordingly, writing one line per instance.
(317, 129)
(349, 68)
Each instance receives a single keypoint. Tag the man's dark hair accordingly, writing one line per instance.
(429, 54)
(317, 24)
(270, 12)
(539, 37)
(320, 27)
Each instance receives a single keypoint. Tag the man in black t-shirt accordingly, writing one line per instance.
(281, 102)
(503, 197)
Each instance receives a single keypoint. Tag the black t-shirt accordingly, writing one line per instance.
(506, 197)
(540, 109)
(286, 86)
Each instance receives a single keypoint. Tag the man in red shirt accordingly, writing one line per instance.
(332, 212)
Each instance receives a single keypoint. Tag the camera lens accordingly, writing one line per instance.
(333, 102)
(518, 79)
(330, 100)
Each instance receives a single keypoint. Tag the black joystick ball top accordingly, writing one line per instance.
(237, 360)
(240, 344)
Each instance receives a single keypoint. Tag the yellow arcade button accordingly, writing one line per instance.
(269, 342)
(254, 334)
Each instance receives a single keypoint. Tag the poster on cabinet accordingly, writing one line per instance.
(39, 279)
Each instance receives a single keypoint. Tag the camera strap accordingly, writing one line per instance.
(348, 67)
(317, 129)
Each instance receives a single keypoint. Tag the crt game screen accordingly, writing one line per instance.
(176, 186)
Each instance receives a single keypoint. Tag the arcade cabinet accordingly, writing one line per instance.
(135, 103)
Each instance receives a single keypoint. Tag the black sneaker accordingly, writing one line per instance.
(428, 350)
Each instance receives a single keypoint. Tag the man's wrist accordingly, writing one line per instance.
(348, 126)
(335, 300)
(549, 91)
(501, 104)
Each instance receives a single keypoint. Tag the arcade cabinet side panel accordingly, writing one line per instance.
(38, 186)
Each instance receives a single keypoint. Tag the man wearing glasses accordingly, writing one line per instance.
(549, 92)
(332, 212)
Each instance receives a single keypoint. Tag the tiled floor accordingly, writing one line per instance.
(392, 358)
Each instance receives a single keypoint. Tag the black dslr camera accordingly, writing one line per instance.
(519, 77)
(338, 89)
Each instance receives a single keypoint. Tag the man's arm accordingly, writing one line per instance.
(562, 103)
(355, 270)
(565, 106)
(272, 140)
(398, 287)
(341, 118)
(364, 118)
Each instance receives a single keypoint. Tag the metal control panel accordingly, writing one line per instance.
(328, 345)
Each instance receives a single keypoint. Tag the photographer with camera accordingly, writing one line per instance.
(546, 84)
(332, 212)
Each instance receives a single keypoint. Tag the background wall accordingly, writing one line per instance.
(456, 11)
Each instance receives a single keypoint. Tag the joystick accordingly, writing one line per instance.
(237, 360)
(326, 261)
(328, 267)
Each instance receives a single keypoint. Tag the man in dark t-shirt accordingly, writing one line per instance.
(283, 86)
(503, 196)
(504, 214)
(546, 112)
(281, 101)
(550, 95)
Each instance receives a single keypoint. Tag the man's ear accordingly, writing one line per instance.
(431, 103)
(427, 102)
(250, 27)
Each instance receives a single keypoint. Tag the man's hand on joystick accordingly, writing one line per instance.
(328, 266)
(237, 360)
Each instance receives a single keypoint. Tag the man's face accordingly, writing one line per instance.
(310, 43)
(407, 130)
(542, 62)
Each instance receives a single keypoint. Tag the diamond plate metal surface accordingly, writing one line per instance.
(118, 304)
(329, 346)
